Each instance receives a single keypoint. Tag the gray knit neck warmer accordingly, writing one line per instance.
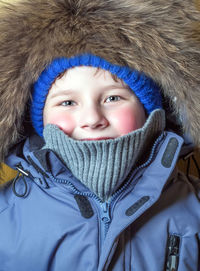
(103, 165)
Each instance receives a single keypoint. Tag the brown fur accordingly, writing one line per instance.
(159, 37)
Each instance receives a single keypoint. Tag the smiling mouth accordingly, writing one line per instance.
(97, 138)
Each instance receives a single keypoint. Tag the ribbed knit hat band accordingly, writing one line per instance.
(144, 87)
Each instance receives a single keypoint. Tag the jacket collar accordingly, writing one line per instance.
(44, 162)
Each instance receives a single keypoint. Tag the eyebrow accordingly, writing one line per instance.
(69, 91)
(62, 93)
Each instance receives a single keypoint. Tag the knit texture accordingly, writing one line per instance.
(103, 165)
(144, 87)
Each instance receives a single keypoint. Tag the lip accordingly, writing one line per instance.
(97, 138)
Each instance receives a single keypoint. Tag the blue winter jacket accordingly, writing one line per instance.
(49, 221)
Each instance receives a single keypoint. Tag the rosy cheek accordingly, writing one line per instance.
(126, 120)
(63, 121)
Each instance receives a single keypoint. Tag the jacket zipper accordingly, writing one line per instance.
(105, 210)
(105, 220)
(106, 206)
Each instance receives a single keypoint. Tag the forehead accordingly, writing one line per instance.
(88, 82)
(88, 74)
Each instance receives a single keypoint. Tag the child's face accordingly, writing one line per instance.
(91, 105)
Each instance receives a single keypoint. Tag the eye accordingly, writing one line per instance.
(68, 103)
(113, 99)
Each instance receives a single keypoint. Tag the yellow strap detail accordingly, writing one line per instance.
(6, 173)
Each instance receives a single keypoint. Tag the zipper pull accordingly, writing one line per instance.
(105, 218)
(172, 253)
(106, 215)
(21, 173)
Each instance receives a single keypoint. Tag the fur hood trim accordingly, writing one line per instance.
(159, 37)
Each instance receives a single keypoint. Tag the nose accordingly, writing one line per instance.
(93, 118)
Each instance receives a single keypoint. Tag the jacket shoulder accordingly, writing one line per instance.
(187, 185)
(193, 181)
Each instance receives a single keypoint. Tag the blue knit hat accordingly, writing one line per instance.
(144, 87)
